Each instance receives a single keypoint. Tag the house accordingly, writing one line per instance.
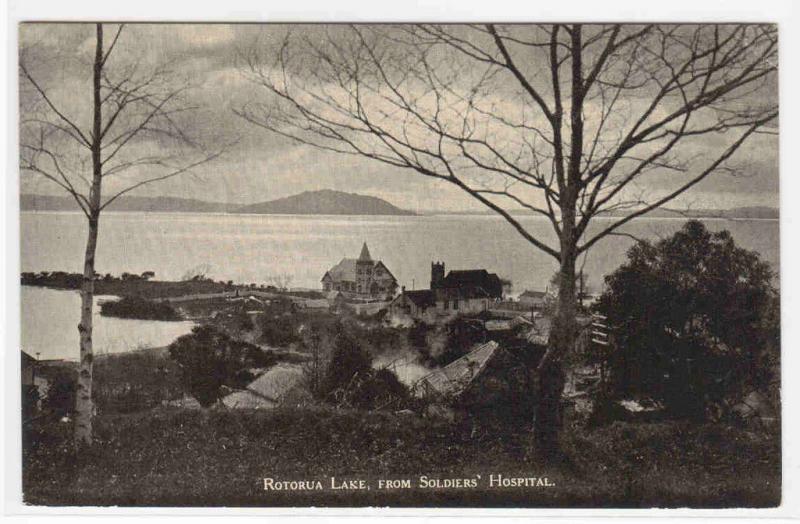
(451, 380)
(533, 299)
(280, 385)
(32, 379)
(361, 277)
(462, 279)
(490, 383)
(413, 303)
(460, 292)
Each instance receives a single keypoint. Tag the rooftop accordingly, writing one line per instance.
(454, 378)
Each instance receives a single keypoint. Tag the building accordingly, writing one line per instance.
(490, 383)
(361, 277)
(462, 279)
(34, 385)
(533, 299)
(459, 292)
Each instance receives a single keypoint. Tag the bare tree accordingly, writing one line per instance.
(134, 119)
(566, 122)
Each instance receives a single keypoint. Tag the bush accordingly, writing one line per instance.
(340, 372)
(210, 360)
(135, 381)
(417, 336)
(348, 361)
(60, 398)
(30, 399)
(139, 308)
(694, 321)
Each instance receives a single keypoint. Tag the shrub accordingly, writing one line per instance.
(348, 378)
(135, 381)
(210, 359)
(60, 398)
(348, 361)
(30, 399)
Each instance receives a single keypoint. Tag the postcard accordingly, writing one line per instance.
(485, 265)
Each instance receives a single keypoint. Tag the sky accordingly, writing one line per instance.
(262, 166)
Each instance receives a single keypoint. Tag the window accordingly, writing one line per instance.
(455, 304)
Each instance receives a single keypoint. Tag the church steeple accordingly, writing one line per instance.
(365, 257)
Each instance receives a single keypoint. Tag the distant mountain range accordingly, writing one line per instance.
(751, 212)
(324, 202)
(736, 212)
(329, 202)
(29, 202)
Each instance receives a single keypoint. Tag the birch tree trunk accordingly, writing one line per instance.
(84, 407)
(140, 104)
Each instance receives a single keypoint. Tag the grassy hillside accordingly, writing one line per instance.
(177, 457)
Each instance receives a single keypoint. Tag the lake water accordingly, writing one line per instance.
(253, 248)
(50, 327)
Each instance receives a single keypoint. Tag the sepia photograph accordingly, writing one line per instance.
(431, 265)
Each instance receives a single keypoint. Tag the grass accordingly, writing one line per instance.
(177, 457)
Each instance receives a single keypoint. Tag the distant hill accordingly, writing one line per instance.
(753, 212)
(736, 212)
(29, 202)
(325, 202)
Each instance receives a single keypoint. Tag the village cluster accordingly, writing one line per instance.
(469, 307)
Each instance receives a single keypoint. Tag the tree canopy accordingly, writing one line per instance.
(694, 320)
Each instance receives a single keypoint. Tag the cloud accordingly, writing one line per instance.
(264, 166)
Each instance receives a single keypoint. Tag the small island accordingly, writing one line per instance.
(140, 309)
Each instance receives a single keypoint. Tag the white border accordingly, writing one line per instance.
(784, 12)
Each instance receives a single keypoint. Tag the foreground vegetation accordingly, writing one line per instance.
(172, 456)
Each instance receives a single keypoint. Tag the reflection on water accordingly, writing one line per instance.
(50, 327)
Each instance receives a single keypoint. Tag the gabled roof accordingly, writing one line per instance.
(345, 271)
(461, 293)
(533, 294)
(365, 257)
(26, 359)
(463, 278)
(421, 298)
(454, 378)
(380, 263)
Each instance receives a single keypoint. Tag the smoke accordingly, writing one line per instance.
(405, 365)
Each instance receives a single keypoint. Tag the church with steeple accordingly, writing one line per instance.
(361, 277)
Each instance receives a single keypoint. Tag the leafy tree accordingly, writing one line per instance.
(694, 320)
(210, 359)
(348, 361)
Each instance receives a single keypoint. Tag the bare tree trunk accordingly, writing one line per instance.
(550, 376)
(83, 401)
(84, 407)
